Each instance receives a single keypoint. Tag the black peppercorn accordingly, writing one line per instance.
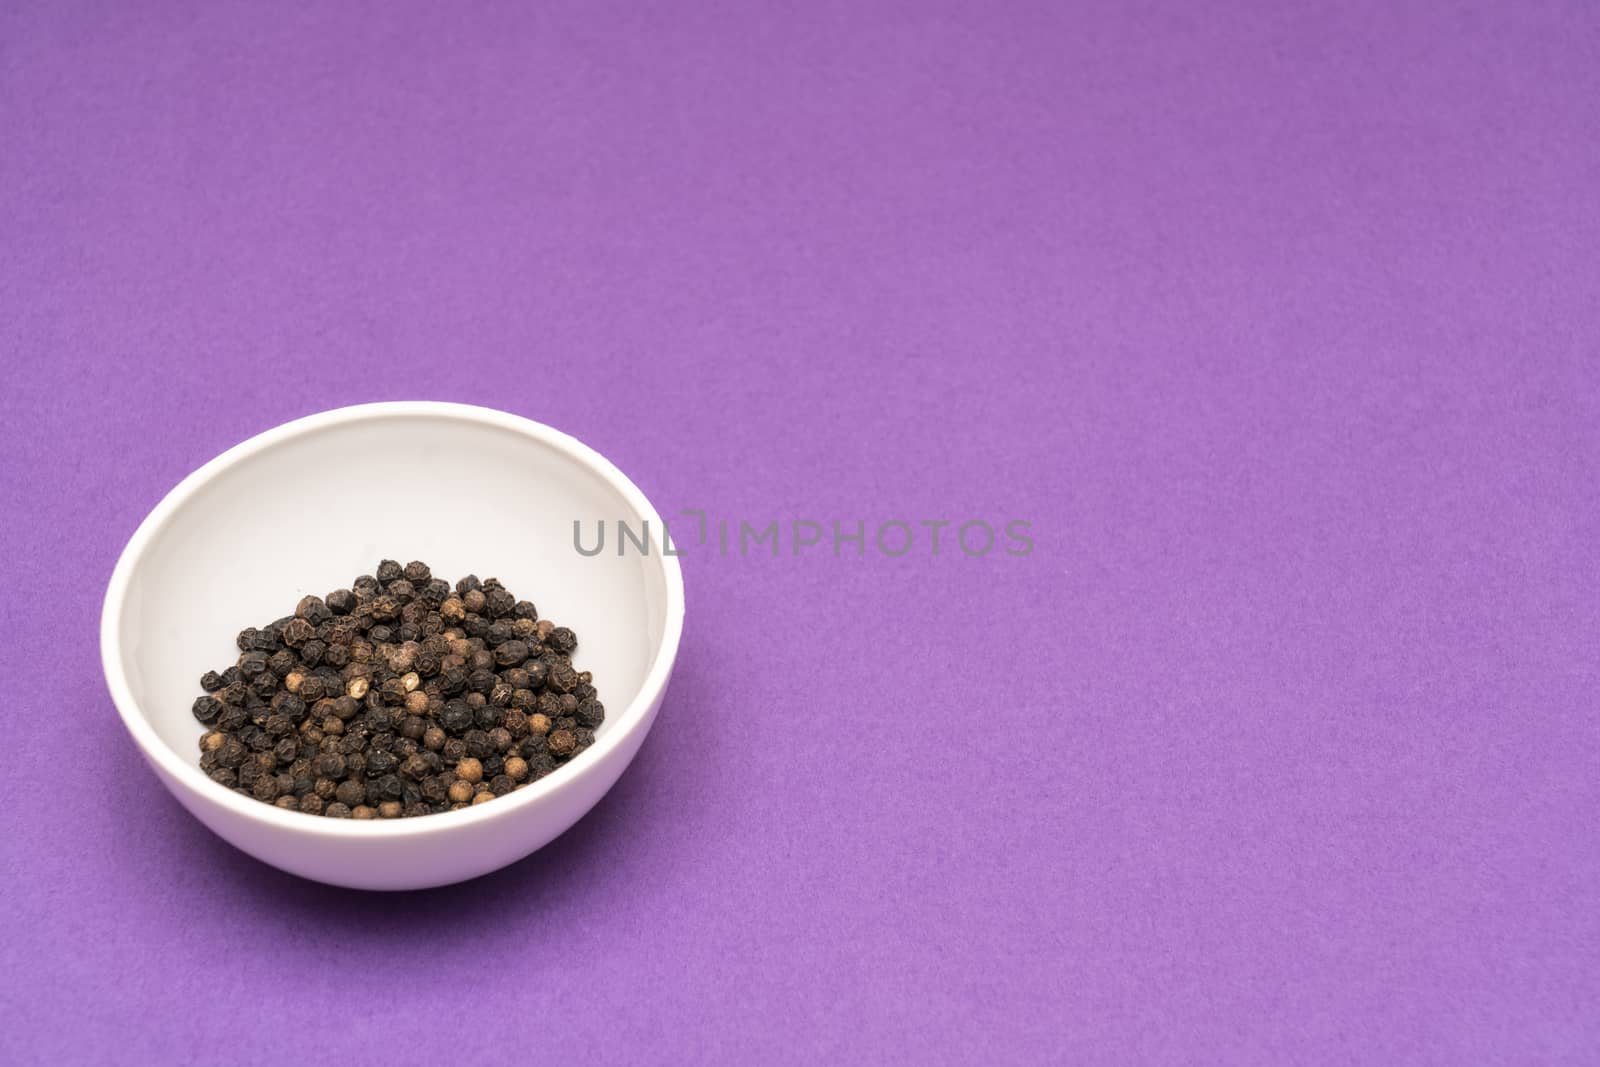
(456, 716)
(561, 677)
(511, 653)
(297, 632)
(590, 713)
(313, 610)
(537, 672)
(500, 603)
(329, 765)
(478, 744)
(562, 743)
(336, 810)
(211, 681)
(351, 792)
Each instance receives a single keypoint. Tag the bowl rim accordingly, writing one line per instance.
(189, 775)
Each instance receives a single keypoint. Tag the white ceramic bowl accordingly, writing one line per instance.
(307, 507)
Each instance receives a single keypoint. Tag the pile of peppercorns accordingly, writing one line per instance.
(398, 696)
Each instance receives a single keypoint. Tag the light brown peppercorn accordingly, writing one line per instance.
(517, 768)
(361, 811)
(357, 688)
(410, 680)
(417, 702)
(433, 739)
(483, 797)
(469, 770)
(460, 792)
(390, 809)
(538, 723)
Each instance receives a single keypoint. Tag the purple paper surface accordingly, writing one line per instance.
(1280, 325)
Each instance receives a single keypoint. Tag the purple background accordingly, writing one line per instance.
(1280, 326)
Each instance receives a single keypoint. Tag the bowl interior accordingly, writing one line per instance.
(321, 504)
